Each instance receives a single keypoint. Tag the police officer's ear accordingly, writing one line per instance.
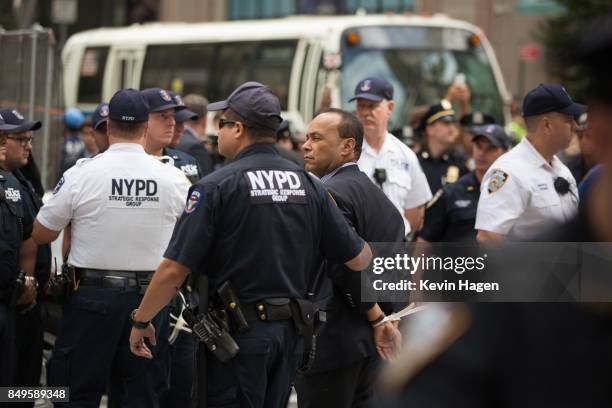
(347, 146)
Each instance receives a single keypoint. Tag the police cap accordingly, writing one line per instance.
(159, 100)
(547, 98)
(255, 102)
(128, 106)
(100, 115)
(12, 117)
(373, 89)
(494, 134)
(442, 111)
(4, 126)
(476, 119)
(184, 114)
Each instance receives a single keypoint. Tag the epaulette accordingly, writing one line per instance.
(434, 199)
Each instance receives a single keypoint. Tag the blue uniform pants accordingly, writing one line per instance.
(262, 373)
(7, 346)
(92, 353)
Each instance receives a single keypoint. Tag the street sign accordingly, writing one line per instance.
(64, 11)
(529, 52)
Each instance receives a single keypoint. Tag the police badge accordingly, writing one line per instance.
(497, 180)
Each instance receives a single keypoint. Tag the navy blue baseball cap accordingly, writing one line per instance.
(12, 117)
(128, 106)
(159, 100)
(495, 134)
(4, 126)
(255, 102)
(547, 98)
(100, 115)
(373, 89)
(184, 114)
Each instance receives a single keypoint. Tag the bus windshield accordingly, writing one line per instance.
(421, 63)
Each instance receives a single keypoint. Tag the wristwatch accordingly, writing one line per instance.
(136, 323)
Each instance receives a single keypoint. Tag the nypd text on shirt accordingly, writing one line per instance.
(275, 186)
(133, 193)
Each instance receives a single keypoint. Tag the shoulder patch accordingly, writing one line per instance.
(434, 199)
(497, 180)
(193, 202)
(59, 185)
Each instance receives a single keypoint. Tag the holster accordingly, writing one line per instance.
(236, 319)
(310, 341)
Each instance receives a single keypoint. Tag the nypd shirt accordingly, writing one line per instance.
(518, 197)
(122, 205)
(406, 185)
(262, 223)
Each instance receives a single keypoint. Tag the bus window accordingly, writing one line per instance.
(268, 62)
(91, 74)
(216, 69)
(421, 63)
(183, 68)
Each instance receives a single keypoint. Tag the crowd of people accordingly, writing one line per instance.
(259, 233)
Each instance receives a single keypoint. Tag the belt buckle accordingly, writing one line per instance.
(113, 282)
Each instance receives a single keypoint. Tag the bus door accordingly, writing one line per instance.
(124, 70)
(309, 85)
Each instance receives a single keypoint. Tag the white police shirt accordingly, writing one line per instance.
(406, 185)
(122, 205)
(518, 198)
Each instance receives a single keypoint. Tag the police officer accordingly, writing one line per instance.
(161, 131)
(99, 118)
(451, 214)
(441, 162)
(385, 159)
(29, 327)
(346, 361)
(258, 224)
(529, 188)
(468, 122)
(194, 134)
(581, 163)
(17, 252)
(111, 201)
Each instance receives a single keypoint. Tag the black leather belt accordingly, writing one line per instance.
(114, 279)
(268, 309)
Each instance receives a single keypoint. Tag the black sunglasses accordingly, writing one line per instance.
(223, 122)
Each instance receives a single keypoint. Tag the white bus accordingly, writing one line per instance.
(302, 58)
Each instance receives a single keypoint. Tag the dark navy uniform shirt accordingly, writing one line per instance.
(32, 203)
(451, 214)
(15, 225)
(347, 337)
(263, 223)
(185, 163)
(444, 169)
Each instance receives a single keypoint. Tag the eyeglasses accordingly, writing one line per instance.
(223, 122)
(23, 140)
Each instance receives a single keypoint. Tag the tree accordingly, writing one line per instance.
(561, 36)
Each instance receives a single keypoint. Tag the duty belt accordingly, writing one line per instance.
(269, 309)
(114, 279)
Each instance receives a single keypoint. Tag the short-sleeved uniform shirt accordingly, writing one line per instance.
(122, 206)
(518, 198)
(451, 214)
(185, 163)
(442, 170)
(406, 184)
(262, 223)
(15, 226)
